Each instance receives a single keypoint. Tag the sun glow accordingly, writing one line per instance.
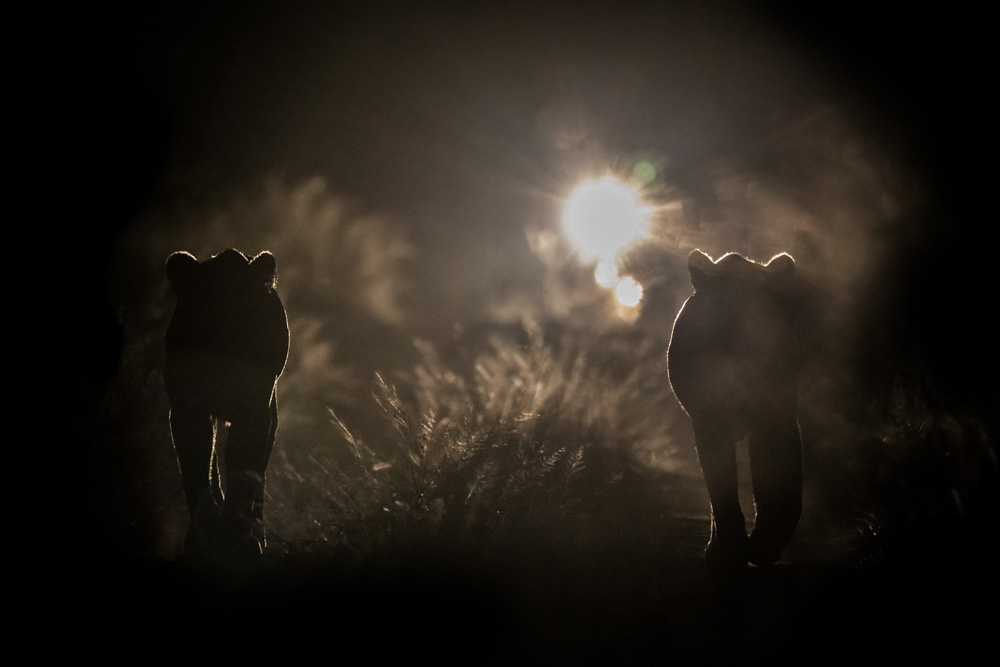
(604, 217)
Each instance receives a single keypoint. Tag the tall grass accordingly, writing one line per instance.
(516, 446)
(937, 483)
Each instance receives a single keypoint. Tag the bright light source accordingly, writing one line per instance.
(628, 292)
(603, 217)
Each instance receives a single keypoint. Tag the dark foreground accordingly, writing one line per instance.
(622, 587)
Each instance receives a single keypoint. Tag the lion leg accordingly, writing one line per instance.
(248, 450)
(776, 469)
(717, 454)
(193, 433)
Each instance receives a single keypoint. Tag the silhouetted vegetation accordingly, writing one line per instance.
(507, 448)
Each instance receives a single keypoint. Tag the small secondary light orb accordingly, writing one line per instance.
(606, 273)
(645, 172)
(628, 292)
(604, 216)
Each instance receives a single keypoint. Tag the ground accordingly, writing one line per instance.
(629, 588)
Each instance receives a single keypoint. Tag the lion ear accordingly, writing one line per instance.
(264, 271)
(701, 268)
(781, 265)
(182, 271)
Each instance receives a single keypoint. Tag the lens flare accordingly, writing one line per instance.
(603, 217)
(606, 273)
(645, 172)
(628, 292)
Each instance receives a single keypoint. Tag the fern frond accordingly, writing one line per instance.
(387, 399)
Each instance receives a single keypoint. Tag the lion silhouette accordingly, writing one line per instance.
(226, 345)
(734, 360)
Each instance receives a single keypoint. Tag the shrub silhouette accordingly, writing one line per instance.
(481, 451)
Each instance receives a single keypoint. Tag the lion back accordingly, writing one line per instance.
(735, 347)
(229, 332)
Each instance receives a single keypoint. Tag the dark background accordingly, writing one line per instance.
(430, 113)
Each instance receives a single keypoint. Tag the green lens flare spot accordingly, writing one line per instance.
(644, 172)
